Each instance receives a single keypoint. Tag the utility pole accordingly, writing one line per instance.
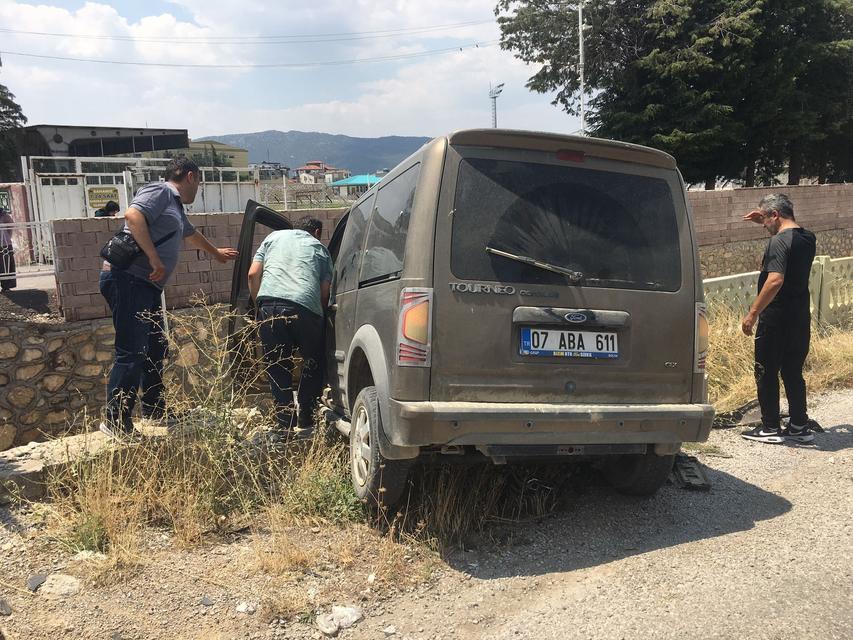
(493, 95)
(581, 64)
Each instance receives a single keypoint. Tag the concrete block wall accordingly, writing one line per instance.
(78, 263)
(727, 245)
(717, 214)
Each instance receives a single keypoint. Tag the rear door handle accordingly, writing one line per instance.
(333, 307)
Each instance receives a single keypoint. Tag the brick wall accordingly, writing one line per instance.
(717, 214)
(79, 241)
(727, 245)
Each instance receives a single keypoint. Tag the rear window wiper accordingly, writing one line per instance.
(573, 276)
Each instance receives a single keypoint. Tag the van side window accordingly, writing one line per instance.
(349, 256)
(387, 230)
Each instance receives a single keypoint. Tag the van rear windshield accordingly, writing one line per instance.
(599, 228)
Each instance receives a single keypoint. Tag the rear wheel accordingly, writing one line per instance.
(377, 481)
(638, 475)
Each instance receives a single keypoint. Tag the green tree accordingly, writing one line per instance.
(732, 88)
(12, 120)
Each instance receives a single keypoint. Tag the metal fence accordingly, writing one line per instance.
(31, 253)
(830, 290)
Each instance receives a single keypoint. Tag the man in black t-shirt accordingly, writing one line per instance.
(784, 321)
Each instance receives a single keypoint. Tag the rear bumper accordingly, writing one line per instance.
(418, 424)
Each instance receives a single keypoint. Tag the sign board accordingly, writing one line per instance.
(5, 200)
(100, 196)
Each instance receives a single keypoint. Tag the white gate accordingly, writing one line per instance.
(77, 187)
(60, 196)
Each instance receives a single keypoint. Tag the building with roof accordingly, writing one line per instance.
(316, 172)
(96, 142)
(352, 187)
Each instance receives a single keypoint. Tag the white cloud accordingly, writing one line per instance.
(421, 96)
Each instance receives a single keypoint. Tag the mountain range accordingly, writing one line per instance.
(295, 148)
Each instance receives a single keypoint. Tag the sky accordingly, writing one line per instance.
(424, 94)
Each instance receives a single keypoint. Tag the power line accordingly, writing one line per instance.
(270, 39)
(271, 65)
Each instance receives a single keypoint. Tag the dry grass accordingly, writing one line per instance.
(731, 358)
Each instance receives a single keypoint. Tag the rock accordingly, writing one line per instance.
(5, 332)
(390, 631)
(59, 585)
(28, 372)
(347, 616)
(5, 609)
(53, 382)
(20, 397)
(207, 602)
(56, 417)
(187, 356)
(31, 355)
(34, 582)
(54, 344)
(7, 436)
(87, 352)
(8, 350)
(327, 625)
(247, 607)
(90, 370)
(371, 578)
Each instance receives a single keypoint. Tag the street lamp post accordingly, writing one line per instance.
(494, 92)
(581, 64)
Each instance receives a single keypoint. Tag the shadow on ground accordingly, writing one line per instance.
(835, 438)
(598, 526)
(24, 301)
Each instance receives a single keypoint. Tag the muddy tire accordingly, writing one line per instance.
(638, 475)
(378, 482)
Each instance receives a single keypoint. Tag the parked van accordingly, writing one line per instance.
(516, 295)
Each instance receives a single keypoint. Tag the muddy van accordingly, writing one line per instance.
(515, 295)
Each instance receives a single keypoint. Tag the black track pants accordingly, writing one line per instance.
(782, 348)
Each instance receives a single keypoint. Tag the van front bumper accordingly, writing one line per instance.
(420, 424)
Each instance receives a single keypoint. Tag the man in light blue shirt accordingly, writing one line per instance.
(289, 280)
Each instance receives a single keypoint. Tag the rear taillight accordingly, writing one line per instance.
(702, 337)
(414, 329)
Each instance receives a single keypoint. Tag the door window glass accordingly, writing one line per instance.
(386, 234)
(349, 257)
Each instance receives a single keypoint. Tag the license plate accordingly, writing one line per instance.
(568, 344)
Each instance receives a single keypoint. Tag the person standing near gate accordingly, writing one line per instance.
(784, 321)
(290, 279)
(159, 225)
(7, 253)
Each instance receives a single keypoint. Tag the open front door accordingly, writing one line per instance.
(258, 222)
(334, 360)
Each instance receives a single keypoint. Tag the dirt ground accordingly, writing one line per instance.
(767, 553)
(23, 303)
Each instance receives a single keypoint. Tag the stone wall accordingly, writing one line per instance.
(79, 241)
(741, 257)
(47, 373)
(53, 374)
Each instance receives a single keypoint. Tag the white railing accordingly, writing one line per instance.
(830, 289)
(32, 250)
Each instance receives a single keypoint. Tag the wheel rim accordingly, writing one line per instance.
(361, 452)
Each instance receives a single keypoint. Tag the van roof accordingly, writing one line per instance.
(542, 141)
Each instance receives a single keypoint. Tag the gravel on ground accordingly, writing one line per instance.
(767, 553)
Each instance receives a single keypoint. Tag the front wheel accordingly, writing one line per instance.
(638, 474)
(377, 481)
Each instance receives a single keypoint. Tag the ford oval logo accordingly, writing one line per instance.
(576, 317)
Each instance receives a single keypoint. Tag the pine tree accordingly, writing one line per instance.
(734, 89)
(12, 119)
